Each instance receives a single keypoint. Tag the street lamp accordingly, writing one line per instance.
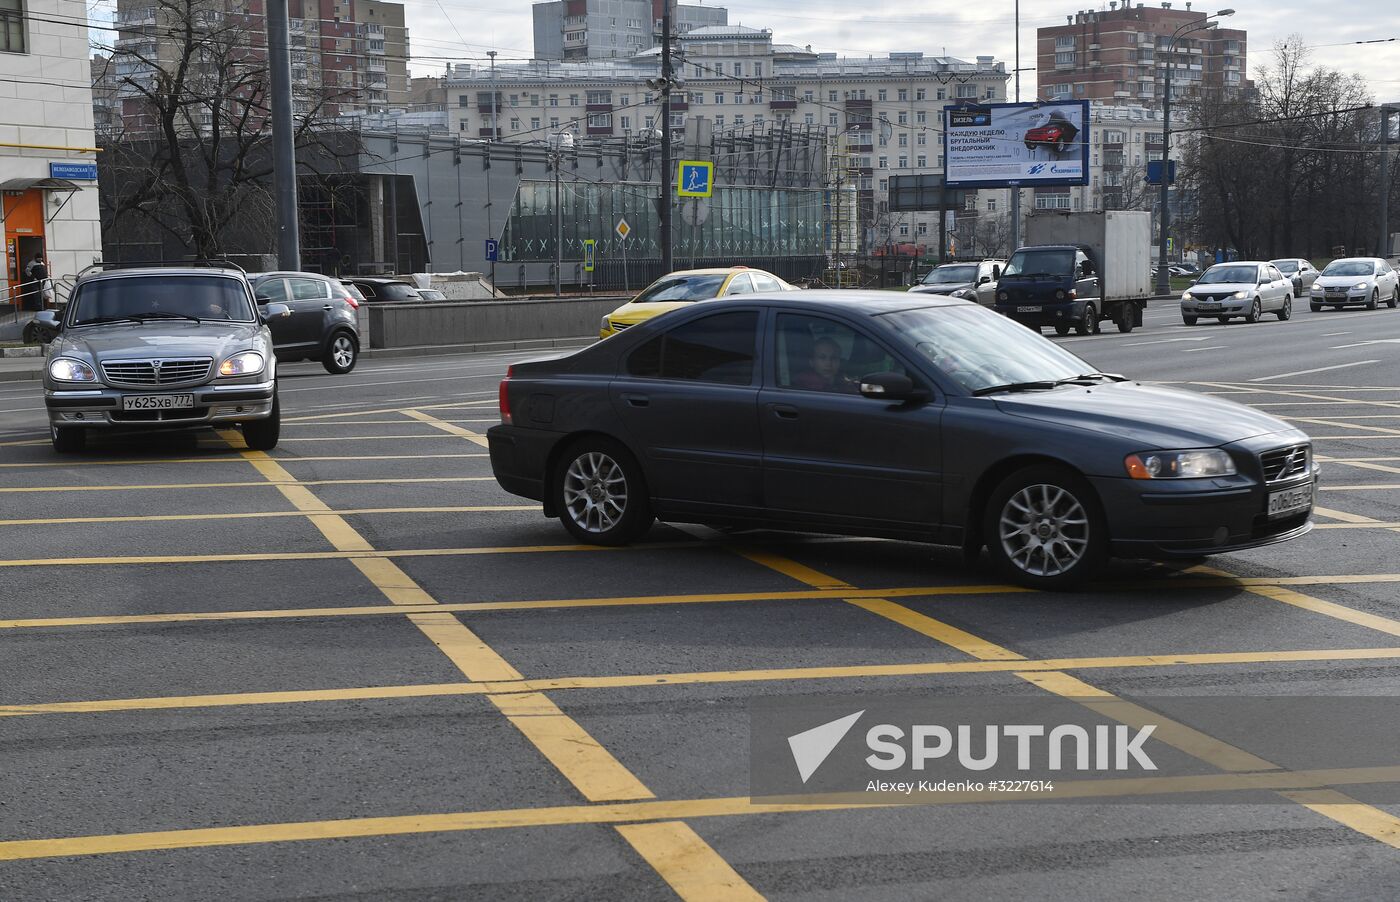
(1164, 218)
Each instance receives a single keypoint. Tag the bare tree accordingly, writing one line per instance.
(190, 156)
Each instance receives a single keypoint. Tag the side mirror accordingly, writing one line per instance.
(890, 387)
(984, 280)
(49, 320)
(275, 311)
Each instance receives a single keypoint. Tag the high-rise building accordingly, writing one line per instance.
(347, 56)
(1120, 55)
(610, 29)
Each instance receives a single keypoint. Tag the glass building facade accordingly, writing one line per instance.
(736, 223)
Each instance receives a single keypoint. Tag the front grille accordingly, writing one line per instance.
(1285, 463)
(618, 327)
(141, 373)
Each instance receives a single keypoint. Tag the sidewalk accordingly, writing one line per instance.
(19, 369)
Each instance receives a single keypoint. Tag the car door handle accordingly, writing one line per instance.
(327, 306)
(637, 400)
(783, 411)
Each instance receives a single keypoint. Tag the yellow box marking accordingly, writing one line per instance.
(450, 428)
(578, 756)
(1373, 822)
(686, 861)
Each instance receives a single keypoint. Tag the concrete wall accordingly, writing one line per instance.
(471, 322)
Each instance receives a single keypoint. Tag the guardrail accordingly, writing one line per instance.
(398, 325)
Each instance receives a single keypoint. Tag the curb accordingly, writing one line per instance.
(27, 351)
(33, 375)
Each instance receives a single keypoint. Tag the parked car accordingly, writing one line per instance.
(384, 288)
(971, 281)
(155, 348)
(865, 413)
(431, 294)
(352, 291)
(683, 287)
(1248, 289)
(1300, 271)
(1355, 280)
(322, 322)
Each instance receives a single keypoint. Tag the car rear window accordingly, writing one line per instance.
(205, 297)
(396, 291)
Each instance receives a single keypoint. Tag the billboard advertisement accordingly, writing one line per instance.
(996, 145)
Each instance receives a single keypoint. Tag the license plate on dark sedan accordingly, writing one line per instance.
(1035, 309)
(1290, 501)
(157, 402)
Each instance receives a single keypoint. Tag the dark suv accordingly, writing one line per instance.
(322, 321)
(158, 348)
(386, 288)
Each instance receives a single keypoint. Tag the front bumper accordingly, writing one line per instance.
(1050, 313)
(1166, 519)
(1232, 307)
(1351, 297)
(101, 406)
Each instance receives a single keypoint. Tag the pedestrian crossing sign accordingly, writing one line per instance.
(695, 178)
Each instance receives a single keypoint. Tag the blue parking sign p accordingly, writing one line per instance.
(493, 249)
(695, 178)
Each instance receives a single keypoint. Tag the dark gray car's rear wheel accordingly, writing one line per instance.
(262, 435)
(1044, 529)
(600, 494)
(341, 354)
(68, 439)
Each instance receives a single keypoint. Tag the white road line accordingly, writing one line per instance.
(1330, 334)
(1210, 348)
(1320, 369)
(1162, 341)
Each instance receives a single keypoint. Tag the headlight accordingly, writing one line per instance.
(1003, 296)
(1316, 289)
(1240, 295)
(66, 369)
(1179, 464)
(244, 364)
(1361, 286)
(1187, 296)
(964, 293)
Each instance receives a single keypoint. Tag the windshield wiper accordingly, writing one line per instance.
(1086, 377)
(1015, 386)
(97, 320)
(162, 314)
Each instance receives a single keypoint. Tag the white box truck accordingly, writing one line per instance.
(1077, 269)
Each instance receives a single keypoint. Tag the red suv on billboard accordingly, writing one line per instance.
(1058, 133)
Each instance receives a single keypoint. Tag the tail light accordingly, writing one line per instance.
(350, 299)
(505, 396)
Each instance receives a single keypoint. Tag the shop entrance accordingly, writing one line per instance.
(24, 237)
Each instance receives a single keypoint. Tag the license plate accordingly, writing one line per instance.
(1290, 501)
(1035, 309)
(157, 402)
(1210, 306)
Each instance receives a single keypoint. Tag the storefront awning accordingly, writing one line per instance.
(48, 184)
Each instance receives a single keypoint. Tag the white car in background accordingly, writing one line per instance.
(1300, 271)
(1248, 289)
(1355, 280)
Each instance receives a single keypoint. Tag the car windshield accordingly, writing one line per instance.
(432, 294)
(161, 297)
(682, 288)
(951, 275)
(1029, 263)
(981, 349)
(1223, 274)
(1286, 265)
(397, 291)
(1349, 268)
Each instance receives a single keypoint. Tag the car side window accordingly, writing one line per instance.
(273, 291)
(740, 284)
(717, 348)
(309, 289)
(765, 283)
(817, 354)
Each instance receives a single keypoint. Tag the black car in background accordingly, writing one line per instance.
(930, 419)
(322, 323)
(385, 288)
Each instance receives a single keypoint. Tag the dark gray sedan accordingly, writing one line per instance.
(864, 414)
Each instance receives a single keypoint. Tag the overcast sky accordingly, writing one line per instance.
(462, 29)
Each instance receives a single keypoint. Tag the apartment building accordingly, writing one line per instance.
(347, 56)
(48, 177)
(1120, 55)
(611, 29)
(883, 113)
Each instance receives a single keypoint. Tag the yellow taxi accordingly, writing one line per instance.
(680, 288)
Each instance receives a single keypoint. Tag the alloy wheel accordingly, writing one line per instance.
(1044, 530)
(595, 492)
(343, 351)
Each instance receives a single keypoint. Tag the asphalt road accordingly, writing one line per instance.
(355, 668)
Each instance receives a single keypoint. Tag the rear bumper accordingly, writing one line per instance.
(102, 406)
(520, 459)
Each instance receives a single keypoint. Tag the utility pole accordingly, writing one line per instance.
(666, 174)
(557, 141)
(1164, 218)
(284, 154)
(494, 127)
(1015, 188)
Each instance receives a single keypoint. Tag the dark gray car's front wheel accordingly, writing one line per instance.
(262, 435)
(341, 354)
(600, 494)
(1043, 527)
